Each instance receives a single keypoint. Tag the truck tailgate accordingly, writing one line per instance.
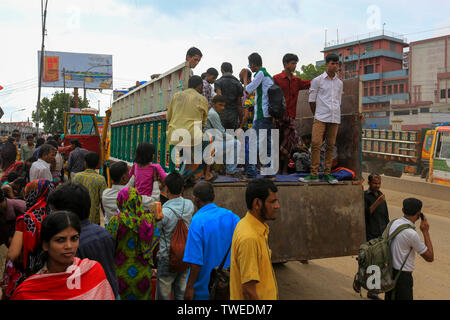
(315, 221)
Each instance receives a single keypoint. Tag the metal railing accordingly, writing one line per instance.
(366, 36)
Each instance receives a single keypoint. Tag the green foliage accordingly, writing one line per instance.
(52, 110)
(310, 71)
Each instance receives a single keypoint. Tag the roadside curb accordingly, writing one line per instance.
(424, 189)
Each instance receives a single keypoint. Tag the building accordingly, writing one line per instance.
(380, 62)
(429, 85)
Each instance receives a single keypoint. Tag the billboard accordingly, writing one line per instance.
(76, 70)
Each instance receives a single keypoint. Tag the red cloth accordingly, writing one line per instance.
(290, 89)
(84, 280)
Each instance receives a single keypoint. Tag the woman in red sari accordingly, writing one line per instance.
(25, 248)
(64, 276)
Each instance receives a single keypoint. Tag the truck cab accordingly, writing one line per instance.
(440, 156)
(84, 127)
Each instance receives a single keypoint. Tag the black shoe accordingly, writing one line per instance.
(373, 296)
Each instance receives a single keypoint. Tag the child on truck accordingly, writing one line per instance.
(143, 169)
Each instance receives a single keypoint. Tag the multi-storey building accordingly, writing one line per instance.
(429, 85)
(379, 60)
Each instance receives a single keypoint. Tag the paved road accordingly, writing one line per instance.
(332, 278)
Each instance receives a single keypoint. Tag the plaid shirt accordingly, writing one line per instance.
(207, 92)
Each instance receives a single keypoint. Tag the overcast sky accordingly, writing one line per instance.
(152, 36)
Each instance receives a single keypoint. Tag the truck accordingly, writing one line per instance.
(394, 152)
(316, 220)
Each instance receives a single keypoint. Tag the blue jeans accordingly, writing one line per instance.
(168, 280)
(231, 168)
(265, 123)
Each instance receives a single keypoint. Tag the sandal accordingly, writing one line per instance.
(215, 176)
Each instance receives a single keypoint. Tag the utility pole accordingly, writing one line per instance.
(44, 19)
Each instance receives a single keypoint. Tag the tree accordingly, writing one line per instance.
(51, 112)
(310, 71)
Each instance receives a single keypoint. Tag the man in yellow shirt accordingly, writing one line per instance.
(251, 273)
(188, 110)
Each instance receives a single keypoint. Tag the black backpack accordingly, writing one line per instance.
(277, 102)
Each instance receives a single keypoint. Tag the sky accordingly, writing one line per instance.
(152, 36)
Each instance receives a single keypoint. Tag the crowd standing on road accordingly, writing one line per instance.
(53, 198)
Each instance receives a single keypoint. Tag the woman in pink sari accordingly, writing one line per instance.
(64, 276)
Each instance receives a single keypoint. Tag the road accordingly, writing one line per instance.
(331, 279)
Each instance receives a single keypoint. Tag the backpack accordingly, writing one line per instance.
(277, 102)
(377, 253)
(219, 281)
(177, 245)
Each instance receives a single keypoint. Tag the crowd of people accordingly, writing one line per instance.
(228, 103)
(69, 236)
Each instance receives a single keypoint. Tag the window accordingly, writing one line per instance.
(384, 89)
(443, 146)
(351, 67)
(401, 113)
(368, 46)
(377, 91)
(81, 125)
(371, 91)
(393, 46)
(366, 92)
(424, 110)
(395, 89)
(443, 94)
(415, 111)
(350, 50)
(402, 88)
(368, 69)
(448, 95)
(389, 89)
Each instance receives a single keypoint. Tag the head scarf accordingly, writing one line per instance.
(132, 216)
(36, 195)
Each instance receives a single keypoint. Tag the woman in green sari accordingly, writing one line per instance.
(133, 232)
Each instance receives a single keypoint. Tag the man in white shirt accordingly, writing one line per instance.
(120, 179)
(40, 169)
(325, 97)
(404, 248)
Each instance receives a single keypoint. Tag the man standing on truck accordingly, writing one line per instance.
(325, 97)
(193, 57)
(188, 109)
(262, 81)
(210, 78)
(376, 213)
(291, 86)
(231, 88)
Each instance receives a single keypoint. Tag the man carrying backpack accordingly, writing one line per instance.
(209, 241)
(402, 246)
(172, 273)
(262, 81)
(376, 214)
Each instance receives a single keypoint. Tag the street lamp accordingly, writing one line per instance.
(84, 77)
(10, 120)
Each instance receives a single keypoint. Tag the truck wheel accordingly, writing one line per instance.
(425, 173)
(365, 167)
(393, 173)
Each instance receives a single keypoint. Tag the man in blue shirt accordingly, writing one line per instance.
(209, 238)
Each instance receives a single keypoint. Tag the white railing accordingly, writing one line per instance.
(366, 36)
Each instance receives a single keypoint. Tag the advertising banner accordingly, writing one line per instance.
(76, 70)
